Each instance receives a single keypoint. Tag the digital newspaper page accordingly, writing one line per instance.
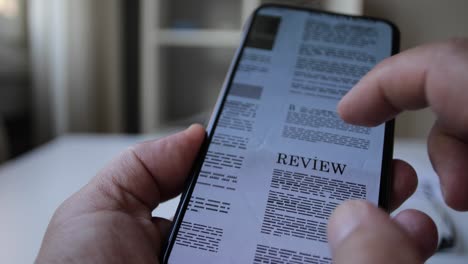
(281, 159)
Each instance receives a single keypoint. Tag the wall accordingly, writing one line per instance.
(421, 21)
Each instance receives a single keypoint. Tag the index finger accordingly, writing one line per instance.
(435, 76)
(432, 75)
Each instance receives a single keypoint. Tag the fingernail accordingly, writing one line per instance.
(346, 218)
(191, 127)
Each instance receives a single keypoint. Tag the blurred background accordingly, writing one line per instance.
(80, 80)
(121, 66)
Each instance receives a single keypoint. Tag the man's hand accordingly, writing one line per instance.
(434, 76)
(109, 220)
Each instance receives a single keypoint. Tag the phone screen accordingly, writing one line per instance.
(279, 159)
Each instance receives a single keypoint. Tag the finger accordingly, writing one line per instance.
(433, 75)
(449, 157)
(147, 173)
(404, 183)
(358, 232)
(421, 229)
(163, 226)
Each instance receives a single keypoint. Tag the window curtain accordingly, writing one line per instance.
(75, 66)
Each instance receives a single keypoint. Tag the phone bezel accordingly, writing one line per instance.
(386, 173)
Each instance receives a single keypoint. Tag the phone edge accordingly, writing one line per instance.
(191, 181)
(389, 137)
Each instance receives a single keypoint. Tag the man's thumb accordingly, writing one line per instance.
(359, 232)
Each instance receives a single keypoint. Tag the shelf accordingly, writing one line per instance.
(209, 14)
(187, 47)
(195, 76)
(197, 37)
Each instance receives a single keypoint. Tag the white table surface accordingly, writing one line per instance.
(34, 185)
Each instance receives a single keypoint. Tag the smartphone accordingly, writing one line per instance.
(277, 159)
